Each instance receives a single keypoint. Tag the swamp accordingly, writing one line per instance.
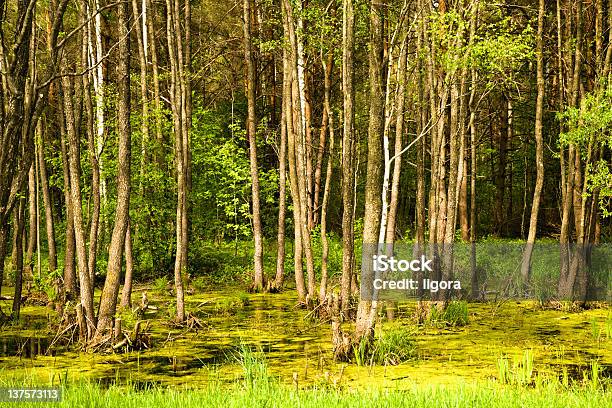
(306, 203)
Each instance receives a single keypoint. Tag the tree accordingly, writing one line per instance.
(180, 103)
(23, 100)
(348, 149)
(366, 312)
(535, 206)
(74, 165)
(258, 278)
(282, 187)
(108, 299)
(49, 222)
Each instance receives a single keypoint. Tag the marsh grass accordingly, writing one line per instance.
(391, 347)
(595, 330)
(454, 314)
(520, 372)
(254, 367)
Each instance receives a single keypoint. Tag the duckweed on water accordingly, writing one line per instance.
(560, 341)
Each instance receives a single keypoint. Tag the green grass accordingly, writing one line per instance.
(254, 367)
(389, 348)
(455, 314)
(520, 373)
(490, 396)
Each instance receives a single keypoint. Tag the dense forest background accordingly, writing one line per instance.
(139, 137)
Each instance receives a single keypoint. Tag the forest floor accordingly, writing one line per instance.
(562, 345)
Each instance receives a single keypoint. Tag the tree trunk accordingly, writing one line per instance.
(293, 124)
(570, 166)
(108, 299)
(421, 152)
(327, 67)
(258, 278)
(86, 284)
(93, 152)
(463, 202)
(156, 90)
(99, 91)
(399, 130)
(144, 126)
(366, 312)
(327, 72)
(535, 205)
(348, 143)
(18, 262)
(49, 223)
(4, 233)
(301, 194)
(28, 264)
(282, 188)
(473, 163)
(126, 294)
(70, 279)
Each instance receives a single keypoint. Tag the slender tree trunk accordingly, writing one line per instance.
(49, 222)
(368, 305)
(18, 262)
(258, 281)
(399, 130)
(93, 155)
(608, 58)
(282, 187)
(97, 55)
(422, 123)
(293, 124)
(37, 183)
(304, 147)
(126, 293)
(86, 284)
(4, 233)
(156, 89)
(500, 168)
(108, 299)
(572, 190)
(301, 198)
(70, 278)
(322, 135)
(463, 202)
(348, 147)
(32, 223)
(144, 91)
(28, 264)
(474, 271)
(185, 76)
(327, 67)
(535, 205)
(177, 93)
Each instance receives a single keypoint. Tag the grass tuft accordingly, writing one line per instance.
(390, 348)
(455, 314)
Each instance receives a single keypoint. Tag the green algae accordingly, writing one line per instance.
(560, 341)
